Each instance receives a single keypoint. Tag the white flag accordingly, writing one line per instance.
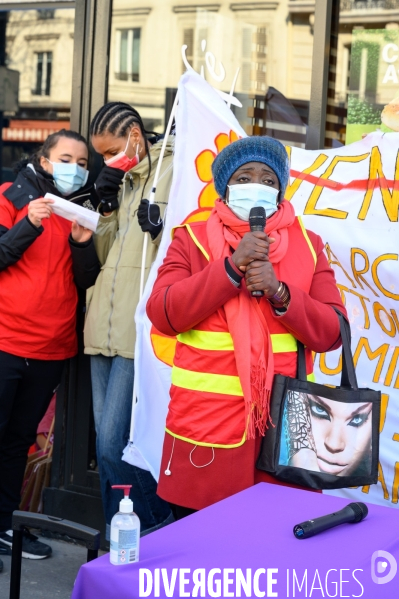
(204, 126)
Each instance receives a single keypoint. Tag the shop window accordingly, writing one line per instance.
(46, 13)
(188, 40)
(367, 4)
(361, 92)
(128, 54)
(342, 89)
(43, 73)
(195, 40)
(364, 73)
(254, 59)
(39, 45)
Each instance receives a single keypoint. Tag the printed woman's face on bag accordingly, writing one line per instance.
(342, 434)
(324, 435)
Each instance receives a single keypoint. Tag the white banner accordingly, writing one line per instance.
(350, 197)
(204, 126)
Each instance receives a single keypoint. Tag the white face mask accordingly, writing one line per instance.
(244, 196)
(68, 176)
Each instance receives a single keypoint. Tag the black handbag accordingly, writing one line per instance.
(323, 437)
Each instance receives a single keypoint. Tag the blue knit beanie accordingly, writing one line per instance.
(251, 149)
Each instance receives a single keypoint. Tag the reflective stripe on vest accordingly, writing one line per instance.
(212, 340)
(223, 384)
(205, 381)
(221, 341)
(205, 378)
(194, 238)
(203, 444)
(306, 236)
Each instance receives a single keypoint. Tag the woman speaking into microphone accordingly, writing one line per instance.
(229, 343)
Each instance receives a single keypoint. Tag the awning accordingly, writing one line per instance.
(32, 130)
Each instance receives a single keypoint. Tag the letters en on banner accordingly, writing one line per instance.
(350, 197)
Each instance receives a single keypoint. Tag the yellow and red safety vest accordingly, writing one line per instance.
(207, 403)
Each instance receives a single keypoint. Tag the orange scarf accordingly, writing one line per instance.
(251, 337)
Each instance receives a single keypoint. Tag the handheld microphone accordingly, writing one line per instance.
(353, 512)
(257, 222)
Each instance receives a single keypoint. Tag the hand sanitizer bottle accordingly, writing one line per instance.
(125, 532)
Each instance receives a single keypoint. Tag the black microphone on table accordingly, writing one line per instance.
(257, 222)
(353, 512)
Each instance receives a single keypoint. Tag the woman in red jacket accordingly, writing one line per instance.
(38, 306)
(229, 343)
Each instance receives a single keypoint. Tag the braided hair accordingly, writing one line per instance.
(117, 118)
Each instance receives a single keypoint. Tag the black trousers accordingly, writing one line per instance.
(26, 388)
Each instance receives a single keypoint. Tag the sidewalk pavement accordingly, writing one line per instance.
(51, 578)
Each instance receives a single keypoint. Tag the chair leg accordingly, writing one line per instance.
(92, 554)
(16, 559)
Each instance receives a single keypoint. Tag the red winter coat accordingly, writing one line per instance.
(188, 290)
(38, 296)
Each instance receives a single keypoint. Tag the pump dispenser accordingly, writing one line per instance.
(125, 531)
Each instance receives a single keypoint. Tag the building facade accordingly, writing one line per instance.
(38, 44)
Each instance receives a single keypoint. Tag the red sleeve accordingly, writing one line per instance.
(310, 317)
(7, 209)
(188, 289)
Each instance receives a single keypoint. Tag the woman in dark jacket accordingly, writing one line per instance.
(38, 301)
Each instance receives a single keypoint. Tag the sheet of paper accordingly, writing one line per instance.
(83, 216)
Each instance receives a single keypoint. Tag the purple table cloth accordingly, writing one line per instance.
(208, 553)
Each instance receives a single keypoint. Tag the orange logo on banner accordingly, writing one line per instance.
(162, 345)
(203, 165)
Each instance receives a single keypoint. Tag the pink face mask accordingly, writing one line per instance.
(122, 160)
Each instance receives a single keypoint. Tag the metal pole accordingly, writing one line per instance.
(3, 26)
(154, 188)
(90, 61)
(1, 147)
(145, 246)
(320, 63)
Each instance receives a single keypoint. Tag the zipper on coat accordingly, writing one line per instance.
(119, 257)
(82, 195)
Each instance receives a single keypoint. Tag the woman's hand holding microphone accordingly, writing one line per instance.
(252, 258)
(260, 276)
